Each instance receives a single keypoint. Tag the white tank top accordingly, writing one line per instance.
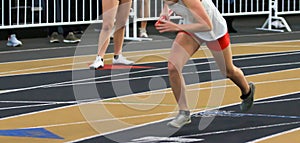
(219, 23)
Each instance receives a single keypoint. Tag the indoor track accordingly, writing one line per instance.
(58, 99)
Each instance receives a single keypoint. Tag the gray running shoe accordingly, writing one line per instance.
(180, 120)
(248, 102)
(54, 38)
(71, 38)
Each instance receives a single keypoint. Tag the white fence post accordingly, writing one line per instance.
(273, 17)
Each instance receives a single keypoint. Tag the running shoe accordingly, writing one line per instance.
(122, 60)
(71, 38)
(98, 63)
(13, 41)
(180, 120)
(248, 102)
(143, 33)
(54, 38)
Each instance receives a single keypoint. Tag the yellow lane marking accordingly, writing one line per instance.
(89, 119)
(70, 63)
(289, 136)
(81, 62)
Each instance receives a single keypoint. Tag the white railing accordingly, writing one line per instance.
(288, 7)
(272, 8)
(38, 13)
(242, 7)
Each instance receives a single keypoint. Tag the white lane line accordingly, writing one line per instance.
(276, 101)
(39, 68)
(74, 47)
(194, 64)
(157, 69)
(92, 55)
(163, 75)
(110, 103)
(155, 41)
(10, 73)
(268, 34)
(46, 103)
(45, 67)
(64, 84)
(102, 120)
(25, 106)
(242, 129)
(224, 86)
(2, 91)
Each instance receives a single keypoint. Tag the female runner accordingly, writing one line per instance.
(202, 23)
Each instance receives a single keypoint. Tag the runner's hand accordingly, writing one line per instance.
(167, 26)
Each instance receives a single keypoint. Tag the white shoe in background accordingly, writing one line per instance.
(13, 41)
(143, 33)
(122, 60)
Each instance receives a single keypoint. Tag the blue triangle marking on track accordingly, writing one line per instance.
(32, 133)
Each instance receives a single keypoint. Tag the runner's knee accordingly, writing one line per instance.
(172, 68)
(107, 26)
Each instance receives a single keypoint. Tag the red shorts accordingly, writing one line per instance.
(216, 45)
